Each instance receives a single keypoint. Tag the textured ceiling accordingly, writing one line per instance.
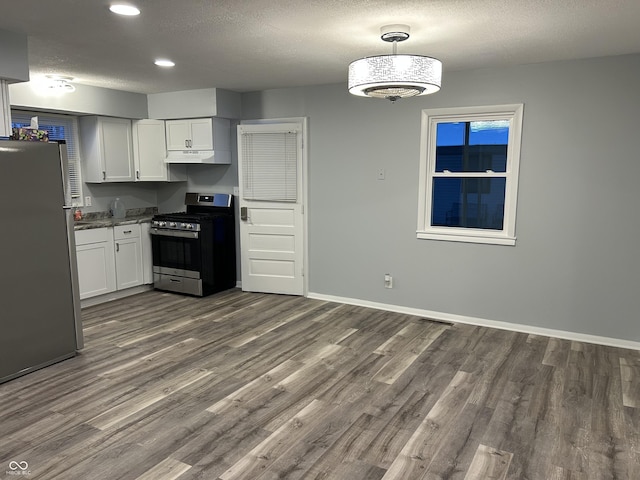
(247, 45)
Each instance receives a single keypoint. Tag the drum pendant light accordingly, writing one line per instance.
(395, 76)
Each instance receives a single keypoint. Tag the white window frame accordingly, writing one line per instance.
(73, 147)
(430, 120)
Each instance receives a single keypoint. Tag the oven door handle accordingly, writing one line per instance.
(174, 233)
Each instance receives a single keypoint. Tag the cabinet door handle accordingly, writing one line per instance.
(117, 247)
(104, 175)
(138, 174)
(186, 143)
(127, 231)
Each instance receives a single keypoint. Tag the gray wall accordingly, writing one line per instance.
(133, 195)
(575, 266)
(86, 100)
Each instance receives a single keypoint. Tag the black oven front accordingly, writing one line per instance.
(177, 259)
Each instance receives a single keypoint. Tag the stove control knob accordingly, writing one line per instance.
(173, 224)
(162, 224)
(190, 226)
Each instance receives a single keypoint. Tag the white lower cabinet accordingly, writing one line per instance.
(128, 252)
(96, 262)
(111, 259)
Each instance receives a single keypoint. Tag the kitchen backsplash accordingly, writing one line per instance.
(131, 212)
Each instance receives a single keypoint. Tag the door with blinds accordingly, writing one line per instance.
(271, 207)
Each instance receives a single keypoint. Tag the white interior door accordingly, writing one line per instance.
(272, 207)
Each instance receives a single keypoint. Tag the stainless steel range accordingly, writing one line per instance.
(194, 252)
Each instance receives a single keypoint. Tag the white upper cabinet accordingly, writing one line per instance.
(178, 134)
(150, 151)
(202, 135)
(107, 149)
(198, 134)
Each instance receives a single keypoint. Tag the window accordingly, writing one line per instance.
(469, 159)
(60, 127)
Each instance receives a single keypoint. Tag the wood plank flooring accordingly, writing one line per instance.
(251, 386)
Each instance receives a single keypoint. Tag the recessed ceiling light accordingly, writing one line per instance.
(163, 62)
(121, 9)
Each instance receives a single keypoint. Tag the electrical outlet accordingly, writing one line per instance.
(388, 281)
(381, 174)
(87, 201)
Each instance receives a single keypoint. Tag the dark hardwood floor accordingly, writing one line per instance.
(253, 386)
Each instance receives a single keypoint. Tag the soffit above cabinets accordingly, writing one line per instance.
(204, 102)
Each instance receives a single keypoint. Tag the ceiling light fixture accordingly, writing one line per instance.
(122, 9)
(60, 83)
(395, 76)
(163, 62)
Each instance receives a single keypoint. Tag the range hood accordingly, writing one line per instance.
(198, 156)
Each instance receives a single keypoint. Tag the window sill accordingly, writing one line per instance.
(477, 238)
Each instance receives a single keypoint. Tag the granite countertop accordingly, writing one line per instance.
(104, 219)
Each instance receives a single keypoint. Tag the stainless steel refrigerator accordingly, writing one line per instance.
(40, 321)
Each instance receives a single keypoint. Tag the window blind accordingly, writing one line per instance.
(270, 166)
(60, 127)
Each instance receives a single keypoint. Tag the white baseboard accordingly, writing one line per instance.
(482, 322)
(107, 297)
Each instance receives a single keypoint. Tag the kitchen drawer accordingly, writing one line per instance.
(176, 284)
(93, 235)
(122, 232)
